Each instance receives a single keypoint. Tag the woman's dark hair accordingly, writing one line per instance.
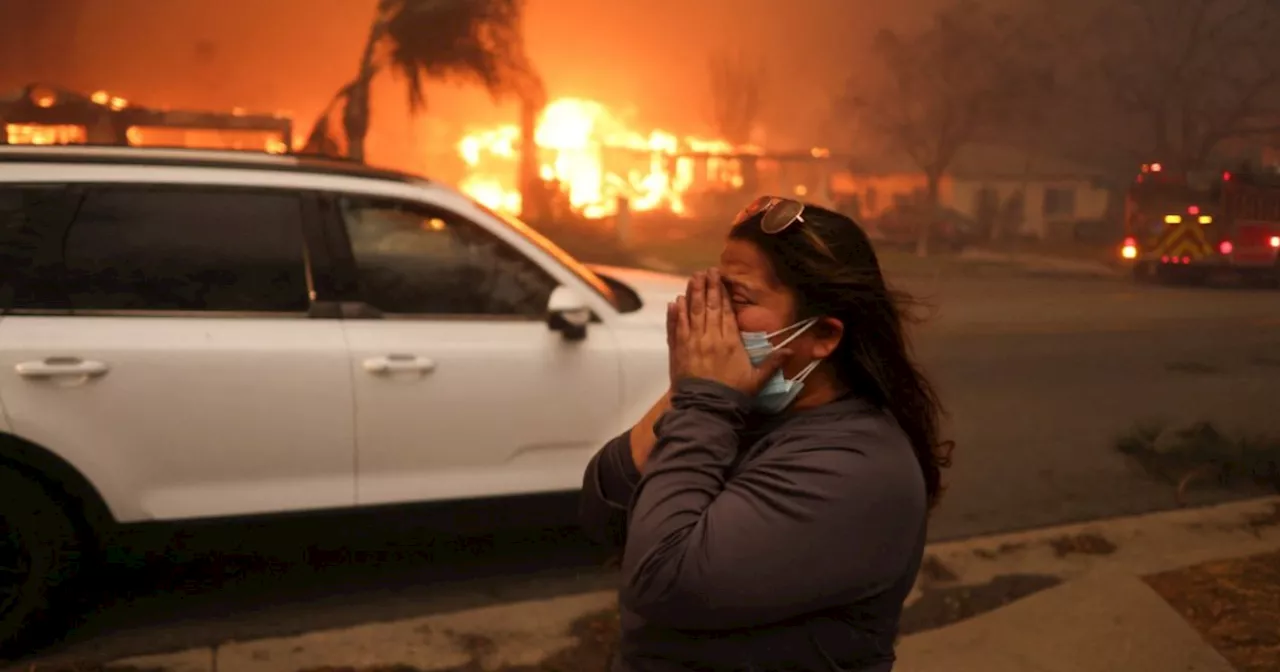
(828, 261)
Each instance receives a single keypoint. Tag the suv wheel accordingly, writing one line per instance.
(39, 551)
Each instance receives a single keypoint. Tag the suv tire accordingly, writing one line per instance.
(39, 553)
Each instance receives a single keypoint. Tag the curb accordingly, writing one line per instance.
(525, 633)
(992, 571)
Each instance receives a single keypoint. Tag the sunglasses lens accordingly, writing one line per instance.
(781, 216)
(754, 208)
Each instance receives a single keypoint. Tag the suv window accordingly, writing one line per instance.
(186, 249)
(414, 260)
(32, 221)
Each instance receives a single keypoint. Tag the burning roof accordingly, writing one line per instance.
(40, 114)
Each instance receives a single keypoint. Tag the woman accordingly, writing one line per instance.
(772, 506)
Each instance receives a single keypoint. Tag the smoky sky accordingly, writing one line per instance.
(645, 58)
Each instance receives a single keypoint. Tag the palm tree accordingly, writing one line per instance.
(477, 41)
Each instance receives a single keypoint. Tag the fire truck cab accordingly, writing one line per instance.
(1190, 227)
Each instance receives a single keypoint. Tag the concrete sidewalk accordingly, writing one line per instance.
(1090, 611)
(1102, 616)
(1108, 621)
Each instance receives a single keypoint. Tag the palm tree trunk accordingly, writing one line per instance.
(355, 116)
(532, 207)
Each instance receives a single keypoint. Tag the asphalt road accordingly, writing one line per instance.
(1041, 377)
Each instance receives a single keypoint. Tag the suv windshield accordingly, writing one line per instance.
(564, 258)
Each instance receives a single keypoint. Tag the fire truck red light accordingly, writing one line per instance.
(1225, 247)
(1193, 210)
(1275, 241)
(1226, 177)
(1164, 259)
(1186, 260)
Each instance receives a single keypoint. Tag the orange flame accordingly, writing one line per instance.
(596, 159)
(107, 100)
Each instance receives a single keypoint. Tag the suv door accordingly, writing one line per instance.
(160, 343)
(461, 388)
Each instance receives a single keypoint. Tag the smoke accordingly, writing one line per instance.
(649, 59)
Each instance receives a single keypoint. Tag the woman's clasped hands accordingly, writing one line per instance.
(703, 339)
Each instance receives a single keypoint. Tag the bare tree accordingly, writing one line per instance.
(464, 40)
(737, 84)
(1180, 78)
(947, 86)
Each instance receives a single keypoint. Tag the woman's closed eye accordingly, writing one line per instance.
(737, 295)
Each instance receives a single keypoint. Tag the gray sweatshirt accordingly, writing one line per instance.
(760, 542)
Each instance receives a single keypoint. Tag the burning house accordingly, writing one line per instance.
(45, 115)
(597, 166)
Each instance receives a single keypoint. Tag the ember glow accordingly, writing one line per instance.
(596, 159)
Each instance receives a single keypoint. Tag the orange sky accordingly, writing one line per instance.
(644, 57)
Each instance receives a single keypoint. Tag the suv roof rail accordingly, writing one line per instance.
(199, 158)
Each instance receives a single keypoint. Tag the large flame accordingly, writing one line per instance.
(596, 159)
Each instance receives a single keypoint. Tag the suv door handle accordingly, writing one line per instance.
(399, 364)
(62, 367)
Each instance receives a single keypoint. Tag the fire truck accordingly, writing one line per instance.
(1185, 227)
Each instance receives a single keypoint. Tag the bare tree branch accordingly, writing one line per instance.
(1183, 76)
(737, 93)
(943, 88)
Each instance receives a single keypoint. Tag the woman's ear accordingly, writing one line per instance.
(826, 337)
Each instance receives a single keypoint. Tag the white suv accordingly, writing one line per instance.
(192, 334)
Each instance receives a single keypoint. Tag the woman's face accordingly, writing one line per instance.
(762, 303)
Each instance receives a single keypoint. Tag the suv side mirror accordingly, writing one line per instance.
(568, 314)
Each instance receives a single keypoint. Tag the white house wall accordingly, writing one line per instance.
(1091, 202)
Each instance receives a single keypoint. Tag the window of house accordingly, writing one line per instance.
(412, 260)
(1060, 202)
(186, 249)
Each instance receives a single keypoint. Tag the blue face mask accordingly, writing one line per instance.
(779, 392)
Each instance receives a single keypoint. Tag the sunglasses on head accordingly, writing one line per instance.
(779, 213)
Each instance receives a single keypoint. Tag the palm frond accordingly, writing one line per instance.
(472, 41)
